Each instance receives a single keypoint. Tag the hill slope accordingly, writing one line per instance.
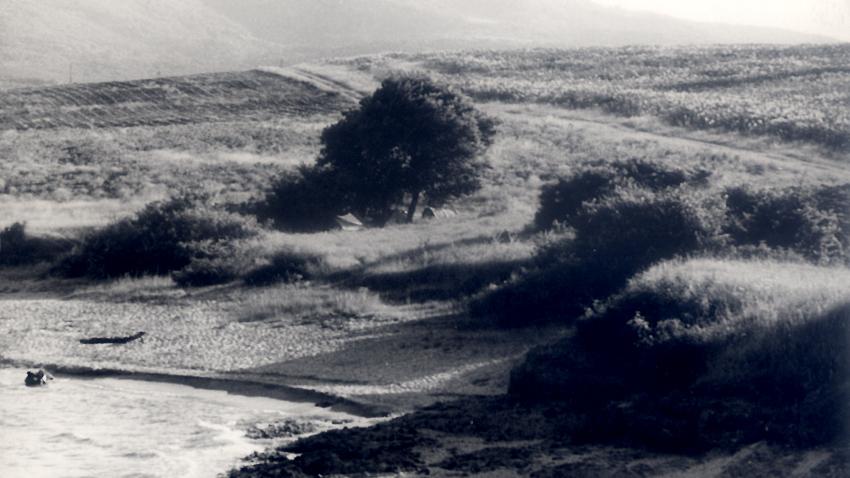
(357, 26)
(101, 40)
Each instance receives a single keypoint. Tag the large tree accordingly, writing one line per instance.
(411, 138)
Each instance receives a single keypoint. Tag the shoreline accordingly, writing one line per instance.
(453, 453)
(233, 386)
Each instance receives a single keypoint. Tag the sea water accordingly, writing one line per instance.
(112, 427)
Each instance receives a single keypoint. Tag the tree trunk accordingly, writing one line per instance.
(412, 209)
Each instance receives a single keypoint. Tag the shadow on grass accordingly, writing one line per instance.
(417, 254)
(441, 281)
(681, 392)
(438, 282)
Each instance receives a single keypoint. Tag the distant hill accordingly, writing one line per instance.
(106, 40)
(355, 26)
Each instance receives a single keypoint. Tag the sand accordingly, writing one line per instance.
(369, 357)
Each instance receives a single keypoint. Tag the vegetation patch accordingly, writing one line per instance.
(562, 202)
(813, 222)
(164, 237)
(286, 267)
(614, 238)
(164, 101)
(707, 353)
(17, 248)
(731, 88)
(383, 448)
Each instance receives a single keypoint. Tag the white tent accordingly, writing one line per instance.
(349, 222)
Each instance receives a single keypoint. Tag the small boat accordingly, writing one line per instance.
(112, 340)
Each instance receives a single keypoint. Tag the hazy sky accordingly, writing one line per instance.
(825, 17)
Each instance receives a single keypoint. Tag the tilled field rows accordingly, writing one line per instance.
(202, 98)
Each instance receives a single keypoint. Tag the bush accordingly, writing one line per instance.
(814, 222)
(717, 353)
(205, 271)
(305, 200)
(614, 239)
(164, 237)
(287, 267)
(562, 202)
(17, 248)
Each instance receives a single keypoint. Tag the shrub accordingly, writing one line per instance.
(217, 262)
(17, 248)
(614, 239)
(814, 222)
(302, 201)
(205, 271)
(561, 202)
(287, 267)
(716, 352)
(164, 237)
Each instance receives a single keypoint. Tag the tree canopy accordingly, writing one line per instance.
(411, 138)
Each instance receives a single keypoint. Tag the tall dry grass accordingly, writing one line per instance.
(306, 303)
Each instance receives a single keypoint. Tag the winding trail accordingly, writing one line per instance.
(795, 163)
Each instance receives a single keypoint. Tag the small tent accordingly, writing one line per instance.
(349, 222)
(399, 216)
(437, 213)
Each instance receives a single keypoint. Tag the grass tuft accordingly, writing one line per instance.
(304, 303)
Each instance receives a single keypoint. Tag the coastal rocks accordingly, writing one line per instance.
(287, 429)
(383, 448)
(37, 379)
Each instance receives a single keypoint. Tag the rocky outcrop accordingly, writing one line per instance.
(37, 379)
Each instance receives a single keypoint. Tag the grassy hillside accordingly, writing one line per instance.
(95, 40)
(363, 26)
(794, 93)
(81, 154)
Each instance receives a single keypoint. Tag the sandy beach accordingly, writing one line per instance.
(397, 362)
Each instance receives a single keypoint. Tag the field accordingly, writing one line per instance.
(586, 334)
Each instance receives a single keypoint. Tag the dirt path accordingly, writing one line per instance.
(348, 84)
(794, 163)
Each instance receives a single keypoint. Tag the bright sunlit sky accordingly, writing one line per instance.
(825, 17)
